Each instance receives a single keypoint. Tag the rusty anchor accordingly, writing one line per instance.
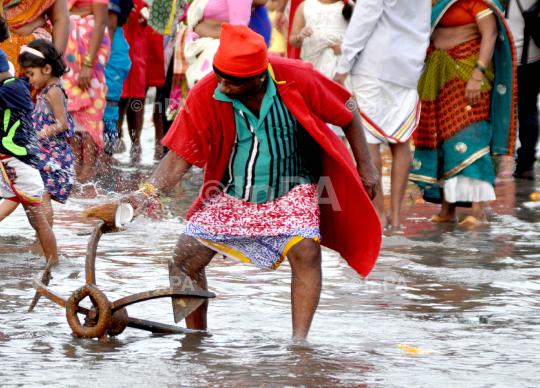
(107, 318)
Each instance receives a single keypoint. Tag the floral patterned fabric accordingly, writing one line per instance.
(57, 164)
(258, 233)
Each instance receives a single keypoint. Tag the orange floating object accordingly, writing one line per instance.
(535, 197)
(412, 350)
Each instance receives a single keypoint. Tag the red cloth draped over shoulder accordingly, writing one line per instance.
(204, 133)
(462, 13)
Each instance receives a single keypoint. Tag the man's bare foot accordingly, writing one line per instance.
(383, 219)
(394, 221)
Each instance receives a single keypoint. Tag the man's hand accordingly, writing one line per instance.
(137, 201)
(340, 78)
(370, 178)
(281, 22)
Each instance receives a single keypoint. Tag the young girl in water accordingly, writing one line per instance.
(20, 181)
(318, 27)
(54, 125)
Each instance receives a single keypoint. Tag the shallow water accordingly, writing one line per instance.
(429, 288)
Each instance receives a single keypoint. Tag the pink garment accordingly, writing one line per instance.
(85, 3)
(236, 12)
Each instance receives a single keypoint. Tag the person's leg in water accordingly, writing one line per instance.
(191, 257)
(77, 149)
(158, 125)
(477, 211)
(120, 144)
(47, 208)
(6, 208)
(44, 231)
(90, 155)
(448, 212)
(305, 259)
(378, 201)
(135, 120)
(401, 165)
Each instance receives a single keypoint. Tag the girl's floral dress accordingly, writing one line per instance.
(57, 164)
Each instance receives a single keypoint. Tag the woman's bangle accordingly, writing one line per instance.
(476, 79)
(481, 68)
(479, 62)
(88, 60)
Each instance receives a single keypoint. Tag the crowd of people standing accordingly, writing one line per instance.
(452, 77)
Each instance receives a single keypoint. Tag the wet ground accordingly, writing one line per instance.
(469, 297)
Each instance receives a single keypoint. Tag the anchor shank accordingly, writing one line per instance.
(91, 252)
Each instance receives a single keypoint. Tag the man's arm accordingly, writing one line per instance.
(168, 173)
(363, 21)
(357, 140)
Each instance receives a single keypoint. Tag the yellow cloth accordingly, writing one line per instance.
(171, 18)
(277, 42)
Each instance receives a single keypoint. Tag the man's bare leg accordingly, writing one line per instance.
(305, 259)
(401, 164)
(191, 257)
(378, 201)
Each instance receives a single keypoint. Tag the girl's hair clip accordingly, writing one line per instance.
(30, 50)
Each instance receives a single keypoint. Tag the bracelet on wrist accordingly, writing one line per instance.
(481, 68)
(88, 60)
(477, 79)
(479, 62)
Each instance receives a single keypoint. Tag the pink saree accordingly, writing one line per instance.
(86, 106)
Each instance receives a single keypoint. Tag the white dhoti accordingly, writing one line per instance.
(390, 112)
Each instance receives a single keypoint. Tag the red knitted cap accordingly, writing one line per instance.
(241, 53)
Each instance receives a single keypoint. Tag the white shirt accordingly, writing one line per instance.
(387, 39)
(517, 26)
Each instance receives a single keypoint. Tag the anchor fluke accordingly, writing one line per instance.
(180, 282)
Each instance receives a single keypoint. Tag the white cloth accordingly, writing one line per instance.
(327, 21)
(26, 180)
(517, 25)
(387, 39)
(463, 189)
(389, 106)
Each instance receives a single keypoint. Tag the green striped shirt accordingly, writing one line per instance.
(266, 161)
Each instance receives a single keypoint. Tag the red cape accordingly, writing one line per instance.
(204, 133)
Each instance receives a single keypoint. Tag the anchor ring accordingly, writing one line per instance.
(100, 301)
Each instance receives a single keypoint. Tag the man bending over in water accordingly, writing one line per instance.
(257, 126)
